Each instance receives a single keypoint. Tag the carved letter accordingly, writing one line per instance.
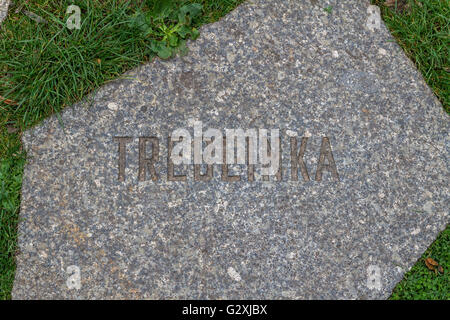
(297, 160)
(170, 166)
(325, 152)
(144, 162)
(225, 176)
(122, 155)
(278, 175)
(198, 176)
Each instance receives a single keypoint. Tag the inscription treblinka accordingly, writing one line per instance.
(326, 161)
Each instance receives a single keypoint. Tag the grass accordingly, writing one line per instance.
(422, 29)
(45, 67)
(11, 167)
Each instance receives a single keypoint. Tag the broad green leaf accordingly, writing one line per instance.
(183, 31)
(182, 48)
(192, 9)
(164, 52)
(138, 21)
(194, 34)
(160, 49)
(173, 40)
(160, 9)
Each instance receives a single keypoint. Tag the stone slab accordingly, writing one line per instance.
(4, 4)
(287, 65)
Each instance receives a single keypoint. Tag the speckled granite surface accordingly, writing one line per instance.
(268, 64)
(3, 9)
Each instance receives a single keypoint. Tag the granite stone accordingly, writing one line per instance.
(90, 230)
(4, 4)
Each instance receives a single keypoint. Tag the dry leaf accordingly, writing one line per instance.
(11, 129)
(400, 5)
(441, 269)
(431, 264)
(390, 3)
(7, 101)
